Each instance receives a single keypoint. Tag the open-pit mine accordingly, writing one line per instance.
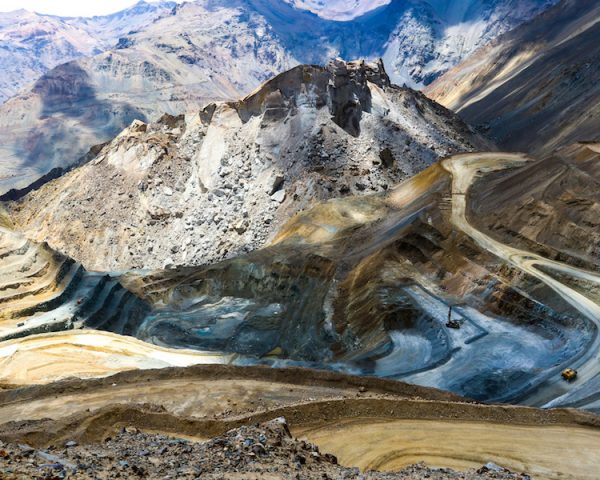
(333, 275)
(415, 284)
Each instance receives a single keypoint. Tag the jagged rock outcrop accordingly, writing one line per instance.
(536, 88)
(219, 50)
(199, 188)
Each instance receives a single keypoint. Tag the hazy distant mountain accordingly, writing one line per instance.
(342, 10)
(31, 44)
(536, 88)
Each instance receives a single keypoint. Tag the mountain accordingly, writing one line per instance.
(32, 44)
(535, 88)
(176, 65)
(195, 189)
(504, 245)
(221, 49)
(340, 10)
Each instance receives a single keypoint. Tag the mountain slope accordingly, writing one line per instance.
(340, 10)
(211, 185)
(221, 49)
(175, 65)
(31, 44)
(536, 88)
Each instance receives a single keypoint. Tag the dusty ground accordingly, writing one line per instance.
(265, 451)
(87, 354)
(366, 422)
(392, 444)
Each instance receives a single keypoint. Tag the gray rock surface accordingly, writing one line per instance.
(195, 189)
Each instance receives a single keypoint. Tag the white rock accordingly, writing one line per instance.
(278, 196)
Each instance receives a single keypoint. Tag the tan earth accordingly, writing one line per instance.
(366, 422)
(388, 445)
(87, 353)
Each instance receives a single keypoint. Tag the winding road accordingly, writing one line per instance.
(464, 169)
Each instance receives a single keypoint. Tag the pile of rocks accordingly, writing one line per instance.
(197, 189)
(261, 451)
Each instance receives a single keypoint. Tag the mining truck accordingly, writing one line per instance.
(569, 374)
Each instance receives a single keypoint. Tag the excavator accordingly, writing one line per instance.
(452, 323)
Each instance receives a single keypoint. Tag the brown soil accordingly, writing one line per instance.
(366, 422)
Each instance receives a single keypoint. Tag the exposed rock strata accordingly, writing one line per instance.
(43, 291)
(365, 283)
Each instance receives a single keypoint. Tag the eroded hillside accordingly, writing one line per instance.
(196, 189)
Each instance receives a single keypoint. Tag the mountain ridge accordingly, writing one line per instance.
(222, 180)
(214, 50)
(32, 43)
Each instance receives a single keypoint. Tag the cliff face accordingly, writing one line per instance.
(200, 188)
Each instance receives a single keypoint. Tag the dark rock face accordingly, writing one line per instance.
(506, 91)
(342, 86)
(350, 94)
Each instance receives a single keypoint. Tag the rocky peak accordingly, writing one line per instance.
(342, 86)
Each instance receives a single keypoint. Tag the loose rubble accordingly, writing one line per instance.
(251, 452)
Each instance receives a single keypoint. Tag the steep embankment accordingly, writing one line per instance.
(534, 89)
(43, 291)
(196, 189)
